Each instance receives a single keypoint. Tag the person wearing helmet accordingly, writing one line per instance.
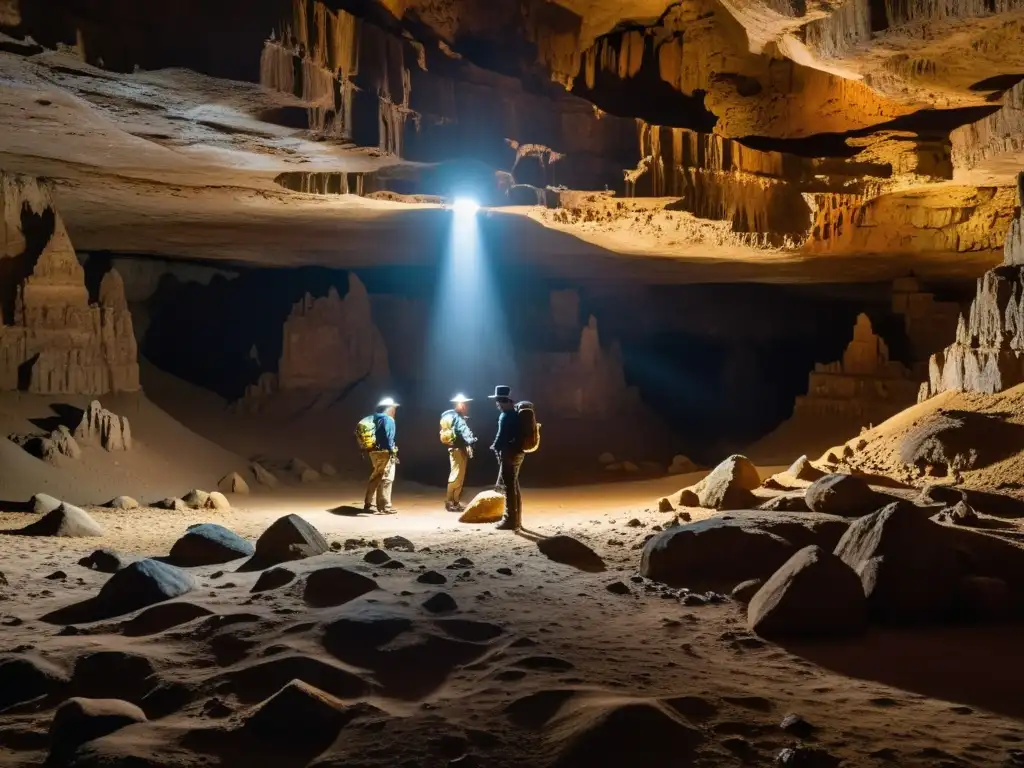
(383, 459)
(459, 438)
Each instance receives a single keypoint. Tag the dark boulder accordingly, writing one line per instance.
(288, 538)
(209, 544)
(729, 485)
(908, 566)
(80, 720)
(335, 586)
(813, 593)
(843, 495)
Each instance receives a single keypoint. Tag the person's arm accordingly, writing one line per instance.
(465, 432)
(503, 439)
(389, 432)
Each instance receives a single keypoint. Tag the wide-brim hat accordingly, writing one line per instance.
(501, 392)
(461, 398)
(387, 402)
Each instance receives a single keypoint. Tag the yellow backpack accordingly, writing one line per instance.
(447, 434)
(366, 433)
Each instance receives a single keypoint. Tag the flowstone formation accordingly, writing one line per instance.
(987, 355)
(52, 340)
(865, 385)
(330, 344)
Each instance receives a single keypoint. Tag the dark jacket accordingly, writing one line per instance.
(463, 434)
(385, 432)
(507, 440)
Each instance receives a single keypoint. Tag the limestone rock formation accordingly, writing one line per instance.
(52, 340)
(987, 354)
(865, 385)
(105, 428)
(329, 344)
(928, 322)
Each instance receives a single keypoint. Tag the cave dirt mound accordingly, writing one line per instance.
(955, 435)
(166, 457)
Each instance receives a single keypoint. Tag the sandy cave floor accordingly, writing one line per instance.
(546, 633)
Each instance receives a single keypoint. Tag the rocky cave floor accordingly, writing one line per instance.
(532, 662)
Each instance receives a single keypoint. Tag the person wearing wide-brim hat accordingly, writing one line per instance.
(459, 439)
(383, 459)
(508, 448)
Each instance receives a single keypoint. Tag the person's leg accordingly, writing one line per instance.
(453, 473)
(373, 484)
(387, 481)
(460, 463)
(514, 497)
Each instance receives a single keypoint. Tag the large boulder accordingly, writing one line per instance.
(65, 521)
(486, 507)
(263, 476)
(104, 561)
(208, 544)
(42, 503)
(143, 583)
(908, 566)
(298, 712)
(802, 469)
(196, 499)
(730, 484)
(713, 553)
(335, 586)
(844, 495)
(288, 538)
(233, 483)
(80, 720)
(26, 677)
(813, 593)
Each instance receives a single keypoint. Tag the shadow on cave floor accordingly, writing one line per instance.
(939, 662)
(65, 416)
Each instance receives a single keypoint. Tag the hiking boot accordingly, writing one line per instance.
(388, 511)
(507, 524)
(369, 510)
(451, 506)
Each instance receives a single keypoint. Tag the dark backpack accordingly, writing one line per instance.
(529, 427)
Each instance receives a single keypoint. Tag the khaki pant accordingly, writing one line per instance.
(459, 460)
(382, 477)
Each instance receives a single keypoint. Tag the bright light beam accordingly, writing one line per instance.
(465, 206)
(468, 349)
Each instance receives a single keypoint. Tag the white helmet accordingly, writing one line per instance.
(461, 398)
(387, 402)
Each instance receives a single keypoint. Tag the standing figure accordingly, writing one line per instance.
(459, 438)
(508, 448)
(377, 434)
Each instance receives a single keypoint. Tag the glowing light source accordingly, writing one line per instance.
(465, 205)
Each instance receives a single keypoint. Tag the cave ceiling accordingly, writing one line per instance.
(790, 140)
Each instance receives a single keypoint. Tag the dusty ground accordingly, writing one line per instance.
(545, 634)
